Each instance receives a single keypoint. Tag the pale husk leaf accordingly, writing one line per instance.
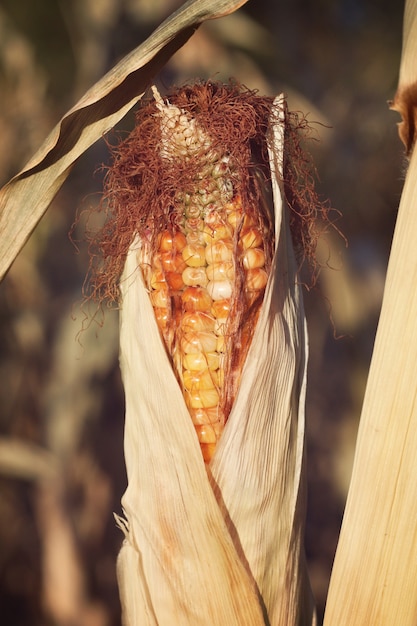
(374, 578)
(178, 564)
(27, 196)
(199, 549)
(262, 448)
(409, 49)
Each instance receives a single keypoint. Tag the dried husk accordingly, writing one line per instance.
(374, 578)
(222, 546)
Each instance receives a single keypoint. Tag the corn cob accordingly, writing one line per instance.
(206, 274)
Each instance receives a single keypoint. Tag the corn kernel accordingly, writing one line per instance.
(174, 281)
(194, 342)
(203, 399)
(206, 416)
(256, 279)
(197, 381)
(196, 299)
(195, 276)
(161, 316)
(194, 255)
(253, 258)
(216, 232)
(168, 242)
(251, 238)
(195, 362)
(220, 308)
(157, 279)
(219, 251)
(197, 321)
(206, 433)
(220, 289)
(221, 271)
(160, 297)
(172, 262)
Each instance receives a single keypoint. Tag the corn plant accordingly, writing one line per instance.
(213, 352)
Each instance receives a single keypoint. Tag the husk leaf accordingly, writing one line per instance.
(222, 548)
(374, 578)
(27, 196)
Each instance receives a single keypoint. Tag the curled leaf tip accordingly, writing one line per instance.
(405, 102)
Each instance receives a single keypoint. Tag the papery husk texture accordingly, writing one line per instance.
(222, 545)
(374, 578)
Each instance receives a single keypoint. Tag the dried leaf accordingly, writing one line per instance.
(374, 578)
(26, 197)
(223, 549)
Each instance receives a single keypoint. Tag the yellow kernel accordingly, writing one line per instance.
(195, 362)
(213, 359)
(160, 297)
(253, 258)
(206, 416)
(256, 279)
(196, 381)
(220, 271)
(157, 279)
(220, 289)
(197, 321)
(219, 251)
(194, 255)
(206, 433)
(220, 308)
(195, 276)
(216, 232)
(208, 450)
(161, 316)
(194, 342)
(234, 217)
(251, 238)
(196, 299)
(203, 399)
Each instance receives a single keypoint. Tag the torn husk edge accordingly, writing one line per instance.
(227, 547)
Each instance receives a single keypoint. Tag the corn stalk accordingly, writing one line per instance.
(374, 578)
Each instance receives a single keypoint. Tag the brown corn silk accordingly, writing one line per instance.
(193, 182)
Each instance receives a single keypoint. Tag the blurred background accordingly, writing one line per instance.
(61, 402)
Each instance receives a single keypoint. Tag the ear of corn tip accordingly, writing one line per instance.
(204, 273)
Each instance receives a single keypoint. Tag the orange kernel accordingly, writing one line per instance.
(221, 308)
(256, 279)
(196, 299)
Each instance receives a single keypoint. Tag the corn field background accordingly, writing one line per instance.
(62, 412)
